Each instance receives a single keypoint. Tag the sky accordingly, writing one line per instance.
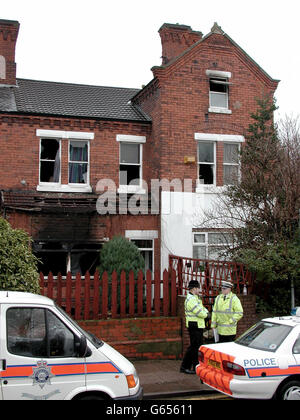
(116, 42)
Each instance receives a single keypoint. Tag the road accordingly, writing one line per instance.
(195, 397)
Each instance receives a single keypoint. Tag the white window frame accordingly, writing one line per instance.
(61, 136)
(206, 243)
(76, 184)
(146, 235)
(212, 137)
(219, 75)
(214, 163)
(132, 139)
(233, 164)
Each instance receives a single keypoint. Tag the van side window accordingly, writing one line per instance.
(26, 332)
(36, 332)
(61, 339)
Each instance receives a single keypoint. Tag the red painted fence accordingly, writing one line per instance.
(209, 274)
(94, 297)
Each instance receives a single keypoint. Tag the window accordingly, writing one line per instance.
(2, 67)
(62, 257)
(53, 160)
(206, 162)
(210, 245)
(78, 162)
(213, 173)
(36, 332)
(264, 336)
(218, 91)
(296, 347)
(230, 163)
(146, 249)
(130, 164)
(50, 160)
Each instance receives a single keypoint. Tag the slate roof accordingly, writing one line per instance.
(71, 100)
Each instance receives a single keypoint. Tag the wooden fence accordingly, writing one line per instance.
(210, 274)
(94, 297)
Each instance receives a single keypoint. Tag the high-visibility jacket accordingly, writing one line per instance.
(227, 311)
(194, 310)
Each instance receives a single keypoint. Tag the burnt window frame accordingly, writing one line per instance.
(222, 78)
(48, 183)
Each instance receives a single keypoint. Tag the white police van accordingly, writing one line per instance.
(263, 363)
(45, 355)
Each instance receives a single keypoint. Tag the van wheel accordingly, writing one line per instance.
(290, 391)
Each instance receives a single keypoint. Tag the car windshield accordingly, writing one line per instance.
(264, 336)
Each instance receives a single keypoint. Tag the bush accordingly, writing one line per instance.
(117, 255)
(18, 265)
(120, 254)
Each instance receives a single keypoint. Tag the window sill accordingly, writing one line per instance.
(219, 110)
(209, 189)
(64, 188)
(131, 189)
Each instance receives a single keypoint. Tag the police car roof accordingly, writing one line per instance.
(290, 320)
(7, 296)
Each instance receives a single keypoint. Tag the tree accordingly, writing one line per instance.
(18, 266)
(261, 210)
(120, 254)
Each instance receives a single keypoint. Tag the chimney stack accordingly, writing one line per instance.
(8, 37)
(175, 39)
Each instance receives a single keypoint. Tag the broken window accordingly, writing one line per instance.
(206, 162)
(62, 257)
(218, 93)
(50, 160)
(130, 163)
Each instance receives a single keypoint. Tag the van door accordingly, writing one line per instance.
(40, 355)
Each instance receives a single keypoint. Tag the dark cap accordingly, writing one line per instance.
(193, 283)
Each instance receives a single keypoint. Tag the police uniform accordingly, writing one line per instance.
(227, 311)
(195, 314)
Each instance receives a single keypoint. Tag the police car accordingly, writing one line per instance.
(263, 363)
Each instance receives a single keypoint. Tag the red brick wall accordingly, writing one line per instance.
(8, 36)
(140, 338)
(20, 146)
(178, 102)
(176, 39)
(157, 338)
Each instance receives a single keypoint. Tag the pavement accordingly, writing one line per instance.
(160, 378)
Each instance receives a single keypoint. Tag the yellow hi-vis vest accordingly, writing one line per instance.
(194, 310)
(226, 314)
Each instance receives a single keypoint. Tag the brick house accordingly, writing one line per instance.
(63, 145)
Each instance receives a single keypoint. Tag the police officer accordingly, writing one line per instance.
(195, 314)
(227, 311)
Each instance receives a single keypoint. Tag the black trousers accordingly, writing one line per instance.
(226, 338)
(190, 359)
